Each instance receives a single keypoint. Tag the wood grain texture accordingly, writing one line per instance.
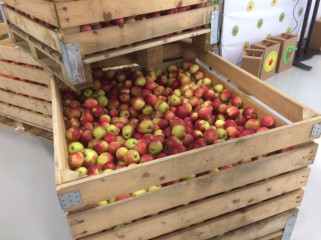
(129, 33)
(94, 220)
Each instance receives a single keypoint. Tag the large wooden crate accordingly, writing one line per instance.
(68, 52)
(261, 192)
(25, 94)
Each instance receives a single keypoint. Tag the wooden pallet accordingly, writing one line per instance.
(24, 88)
(231, 199)
(67, 52)
(26, 129)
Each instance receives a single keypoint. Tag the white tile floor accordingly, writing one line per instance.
(29, 207)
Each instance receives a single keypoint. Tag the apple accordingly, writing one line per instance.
(86, 136)
(104, 158)
(222, 134)
(262, 129)
(90, 103)
(226, 166)
(82, 170)
(101, 146)
(204, 113)
(210, 136)
(146, 158)
(73, 134)
(155, 147)
(85, 28)
(138, 103)
(131, 156)
(127, 131)
(218, 88)
(90, 157)
(267, 121)
(181, 112)
(99, 132)
(76, 160)
(232, 132)
(87, 117)
(252, 124)
(121, 153)
(202, 125)
(94, 170)
(241, 120)
(236, 101)
(193, 68)
(249, 112)
(146, 126)
(179, 131)
(75, 147)
(110, 165)
(113, 129)
(75, 122)
(130, 143)
(232, 112)
(141, 147)
(113, 147)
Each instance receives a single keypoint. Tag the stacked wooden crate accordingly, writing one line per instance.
(256, 200)
(51, 30)
(24, 91)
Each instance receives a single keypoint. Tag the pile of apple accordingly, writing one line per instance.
(130, 117)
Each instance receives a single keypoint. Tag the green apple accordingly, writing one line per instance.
(131, 143)
(75, 147)
(127, 131)
(99, 132)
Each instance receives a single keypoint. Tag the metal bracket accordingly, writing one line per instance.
(214, 27)
(70, 199)
(73, 62)
(288, 228)
(316, 130)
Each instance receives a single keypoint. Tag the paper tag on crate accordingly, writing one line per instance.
(215, 26)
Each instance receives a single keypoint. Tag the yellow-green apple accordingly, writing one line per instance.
(109, 165)
(139, 192)
(236, 101)
(153, 188)
(218, 88)
(247, 160)
(174, 101)
(222, 134)
(193, 68)
(113, 129)
(99, 132)
(252, 124)
(232, 132)
(138, 103)
(207, 81)
(105, 157)
(128, 131)
(88, 92)
(140, 81)
(130, 143)
(158, 132)
(113, 147)
(148, 110)
(179, 131)
(90, 157)
(94, 170)
(101, 146)
(131, 156)
(102, 203)
(232, 112)
(146, 126)
(121, 76)
(146, 158)
(97, 93)
(267, 121)
(82, 170)
(75, 122)
(189, 177)
(73, 134)
(172, 67)
(86, 117)
(249, 112)
(155, 147)
(121, 153)
(199, 75)
(76, 160)
(90, 103)
(163, 107)
(210, 136)
(124, 113)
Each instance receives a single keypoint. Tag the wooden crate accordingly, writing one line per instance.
(25, 94)
(219, 202)
(68, 53)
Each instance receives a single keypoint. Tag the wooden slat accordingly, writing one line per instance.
(116, 36)
(19, 114)
(75, 13)
(294, 111)
(15, 54)
(34, 29)
(23, 72)
(58, 123)
(25, 88)
(227, 222)
(174, 50)
(170, 168)
(26, 129)
(94, 220)
(273, 236)
(43, 10)
(25, 102)
(265, 229)
(143, 45)
(3, 28)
